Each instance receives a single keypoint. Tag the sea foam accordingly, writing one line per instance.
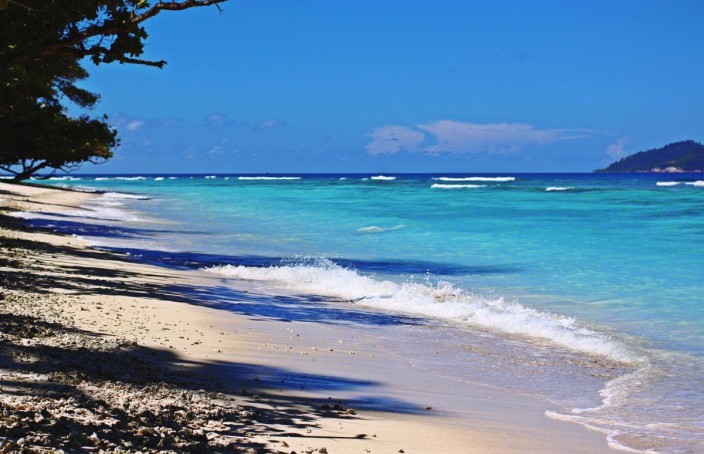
(65, 178)
(120, 178)
(268, 178)
(124, 195)
(440, 300)
(558, 188)
(377, 229)
(699, 183)
(455, 186)
(382, 178)
(498, 179)
(667, 183)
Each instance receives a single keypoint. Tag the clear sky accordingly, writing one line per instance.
(407, 86)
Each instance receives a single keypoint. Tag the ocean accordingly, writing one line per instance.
(590, 287)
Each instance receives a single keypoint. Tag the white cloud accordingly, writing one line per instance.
(269, 124)
(392, 139)
(124, 121)
(134, 125)
(450, 136)
(217, 120)
(617, 150)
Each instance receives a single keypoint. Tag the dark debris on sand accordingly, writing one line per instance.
(67, 390)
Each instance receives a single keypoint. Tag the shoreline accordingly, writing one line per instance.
(178, 324)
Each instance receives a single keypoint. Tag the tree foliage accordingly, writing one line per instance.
(43, 46)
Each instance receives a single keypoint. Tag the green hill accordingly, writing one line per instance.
(685, 156)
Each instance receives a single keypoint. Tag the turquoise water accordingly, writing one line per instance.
(605, 265)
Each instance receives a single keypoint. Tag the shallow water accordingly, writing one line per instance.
(579, 274)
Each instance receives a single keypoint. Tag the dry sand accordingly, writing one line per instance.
(99, 353)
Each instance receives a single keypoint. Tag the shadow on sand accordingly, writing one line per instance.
(63, 369)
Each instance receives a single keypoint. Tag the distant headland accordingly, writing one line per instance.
(677, 157)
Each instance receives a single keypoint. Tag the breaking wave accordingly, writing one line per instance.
(65, 178)
(442, 300)
(455, 186)
(558, 188)
(124, 195)
(498, 179)
(268, 178)
(377, 229)
(120, 178)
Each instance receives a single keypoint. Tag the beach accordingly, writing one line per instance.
(103, 352)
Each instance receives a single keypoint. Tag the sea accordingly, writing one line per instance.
(584, 289)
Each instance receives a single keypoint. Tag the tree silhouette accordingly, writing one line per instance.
(43, 45)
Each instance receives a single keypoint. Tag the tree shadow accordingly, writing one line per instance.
(62, 373)
(103, 382)
(94, 230)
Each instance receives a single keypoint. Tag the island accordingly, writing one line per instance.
(677, 157)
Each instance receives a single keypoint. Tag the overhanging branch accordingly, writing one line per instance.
(108, 29)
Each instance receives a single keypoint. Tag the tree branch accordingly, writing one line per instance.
(174, 6)
(138, 61)
(113, 29)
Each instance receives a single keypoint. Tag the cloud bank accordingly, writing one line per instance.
(392, 139)
(123, 121)
(457, 137)
(218, 120)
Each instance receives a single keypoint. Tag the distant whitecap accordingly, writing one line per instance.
(65, 178)
(377, 229)
(456, 186)
(497, 179)
(558, 188)
(268, 178)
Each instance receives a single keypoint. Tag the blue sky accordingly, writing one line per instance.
(407, 86)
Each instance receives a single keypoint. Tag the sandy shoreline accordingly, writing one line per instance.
(103, 353)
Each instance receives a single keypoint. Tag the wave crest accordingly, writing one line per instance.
(455, 186)
(498, 179)
(377, 229)
(558, 188)
(442, 300)
(268, 178)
